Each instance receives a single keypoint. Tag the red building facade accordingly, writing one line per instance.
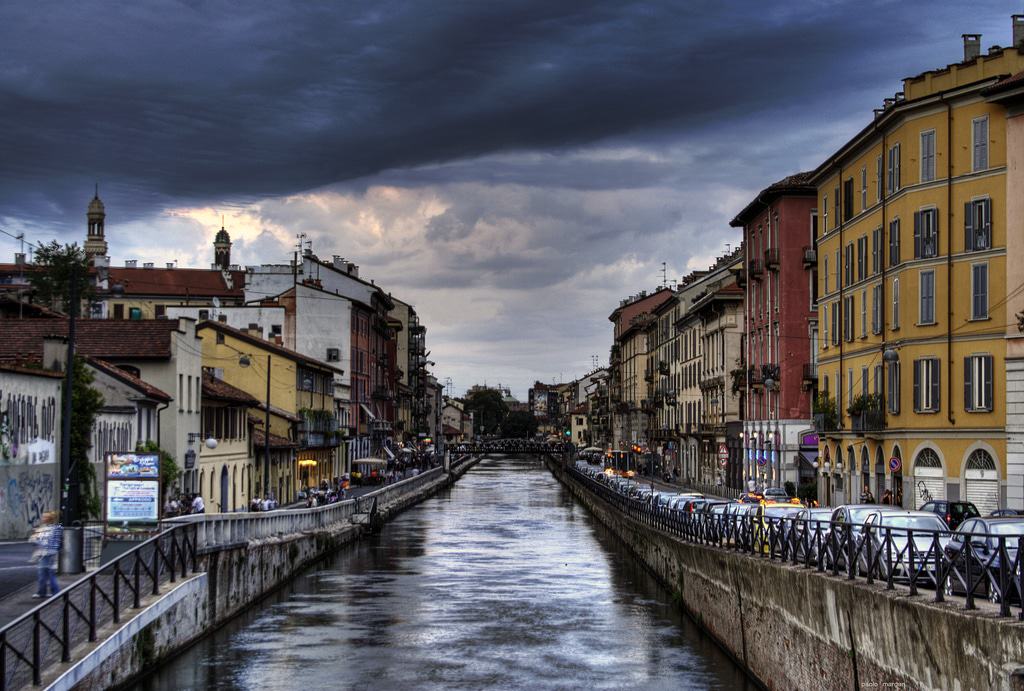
(779, 232)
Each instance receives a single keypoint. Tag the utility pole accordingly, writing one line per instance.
(69, 487)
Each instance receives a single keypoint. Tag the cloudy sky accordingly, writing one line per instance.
(513, 169)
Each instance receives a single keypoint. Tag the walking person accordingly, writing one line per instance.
(887, 497)
(49, 537)
(198, 506)
(866, 497)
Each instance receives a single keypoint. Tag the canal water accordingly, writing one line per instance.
(502, 581)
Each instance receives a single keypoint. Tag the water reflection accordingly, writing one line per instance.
(503, 581)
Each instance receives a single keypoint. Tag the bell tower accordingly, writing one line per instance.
(222, 249)
(95, 240)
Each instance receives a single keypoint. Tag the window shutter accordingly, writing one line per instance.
(935, 384)
(968, 383)
(917, 385)
(987, 393)
(896, 177)
(969, 227)
(917, 235)
(987, 228)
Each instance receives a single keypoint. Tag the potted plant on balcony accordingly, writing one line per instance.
(863, 410)
(826, 416)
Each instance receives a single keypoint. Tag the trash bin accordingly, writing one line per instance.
(71, 551)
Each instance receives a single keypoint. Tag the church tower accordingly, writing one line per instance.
(222, 249)
(95, 241)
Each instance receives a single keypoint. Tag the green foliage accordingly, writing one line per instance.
(519, 424)
(169, 470)
(807, 492)
(825, 406)
(55, 264)
(85, 406)
(488, 408)
(865, 402)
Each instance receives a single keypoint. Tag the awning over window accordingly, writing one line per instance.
(809, 457)
(367, 410)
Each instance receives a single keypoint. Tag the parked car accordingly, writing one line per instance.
(895, 535)
(1000, 513)
(778, 494)
(771, 527)
(978, 565)
(952, 512)
(812, 527)
(834, 550)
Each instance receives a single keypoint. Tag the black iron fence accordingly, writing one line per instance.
(47, 634)
(970, 566)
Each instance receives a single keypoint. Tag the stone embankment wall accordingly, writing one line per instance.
(230, 579)
(794, 628)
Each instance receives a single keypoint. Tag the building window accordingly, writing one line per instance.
(160, 311)
(926, 385)
(893, 385)
(835, 323)
(847, 199)
(863, 314)
(980, 143)
(893, 171)
(876, 309)
(878, 379)
(927, 311)
(333, 355)
(835, 194)
(926, 233)
(848, 318)
(978, 225)
(135, 313)
(876, 250)
(862, 257)
(979, 291)
(848, 265)
(275, 329)
(864, 188)
(849, 387)
(928, 156)
(118, 311)
(879, 170)
(864, 381)
(824, 322)
(978, 383)
(895, 303)
(204, 314)
(824, 217)
(826, 275)
(220, 337)
(894, 242)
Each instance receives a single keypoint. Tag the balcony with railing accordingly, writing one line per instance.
(866, 416)
(318, 428)
(810, 257)
(755, 270)
(810, 376)
(771, 258)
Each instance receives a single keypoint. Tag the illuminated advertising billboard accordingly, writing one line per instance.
(133, 492)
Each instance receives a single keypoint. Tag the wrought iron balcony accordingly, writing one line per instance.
(771, 258)
(810, 257)
(754, 269)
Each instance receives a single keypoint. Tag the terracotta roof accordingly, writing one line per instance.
(31, 371)
(627, 313)
(280, 412)
(265, 345)
(582, 409)
(10, 307)
(130, 379)
(276, 442)
(103, 338)
(178, 282)
(1014, 81)
(798, 184)
(220, 390)
(448, 429)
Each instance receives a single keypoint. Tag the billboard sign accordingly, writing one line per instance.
(133, 492)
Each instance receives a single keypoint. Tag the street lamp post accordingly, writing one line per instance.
(69, 488)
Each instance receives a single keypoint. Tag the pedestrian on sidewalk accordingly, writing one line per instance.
(887, 496)
(198, 506)
(48, 537)
(866, 497)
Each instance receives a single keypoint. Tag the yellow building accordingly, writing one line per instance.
(225, 467)
(301, 398)
(912, 230)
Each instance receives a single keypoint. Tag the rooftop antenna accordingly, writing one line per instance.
(664, 274)
(728, 247)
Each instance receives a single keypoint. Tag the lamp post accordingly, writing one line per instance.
(244, 361)
(70, 489)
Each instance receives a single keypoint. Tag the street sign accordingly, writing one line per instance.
(761, 458)
(895, 464)
(723, 452)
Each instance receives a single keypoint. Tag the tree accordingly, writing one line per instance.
(488, 408)
(519, 424)
(169, 470)
(86, 403)
(51, 277)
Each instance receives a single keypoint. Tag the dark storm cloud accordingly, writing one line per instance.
(169, 102)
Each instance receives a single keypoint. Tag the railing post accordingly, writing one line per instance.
(92, 608)
(912, 571)
(37, 672)
(1004, 600)
(156, 566)
(117, 591)
(65, 633)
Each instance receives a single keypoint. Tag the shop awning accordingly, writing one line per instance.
(370, 461)
(388, 452)
(809, 457)
(367, 410)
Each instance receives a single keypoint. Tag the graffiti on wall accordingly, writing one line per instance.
(28, 428)
(113, 433)
(24, 498)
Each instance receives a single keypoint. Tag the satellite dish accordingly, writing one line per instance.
(216, 302)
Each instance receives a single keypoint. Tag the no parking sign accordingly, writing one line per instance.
(895, 464)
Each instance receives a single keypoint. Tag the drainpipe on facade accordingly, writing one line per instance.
(949, 260)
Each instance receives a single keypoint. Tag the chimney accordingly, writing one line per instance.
(130, 263)
(972, 46)
(338, 262)
(1018, 31)
(19, 258)
(55, 353)
(147, 265)
(353, 269)
(170, 265)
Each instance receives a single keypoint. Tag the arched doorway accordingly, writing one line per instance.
(929, 478)
(897, 478)
(202, 481)
(234, 487)
(879, 474)
(865, 470)
(981, 482)
(224, 507)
